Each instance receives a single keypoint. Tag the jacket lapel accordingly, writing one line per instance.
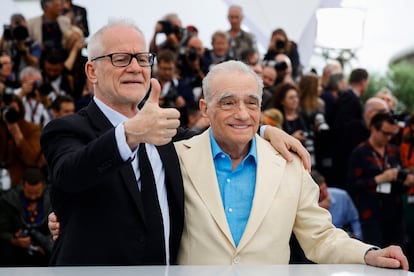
(101, 124)
(198, 163)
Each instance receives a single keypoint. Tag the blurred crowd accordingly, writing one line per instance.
(362, 152)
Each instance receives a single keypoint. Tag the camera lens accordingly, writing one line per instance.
(10, 114)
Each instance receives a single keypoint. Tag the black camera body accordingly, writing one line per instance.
(402, 175)
(10, 114)
(38, 238)
(18, 32)
(168, 28)
(192, 54)
(280, 44)
(281, 66)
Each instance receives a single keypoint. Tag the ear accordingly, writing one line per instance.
(203, 107)
(90, 71)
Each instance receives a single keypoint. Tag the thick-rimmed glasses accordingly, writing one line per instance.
(124, 59)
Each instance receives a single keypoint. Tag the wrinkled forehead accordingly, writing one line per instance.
(123, 39)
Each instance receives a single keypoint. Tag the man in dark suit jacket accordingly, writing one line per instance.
(94, 175)
(96, 178)
(348, 109)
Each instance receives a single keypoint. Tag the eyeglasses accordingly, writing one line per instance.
(124, 59)
(387, 133)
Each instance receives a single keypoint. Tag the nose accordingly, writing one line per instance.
(242, 112)
(134, 65)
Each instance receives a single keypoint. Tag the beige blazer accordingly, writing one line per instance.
(286, 200)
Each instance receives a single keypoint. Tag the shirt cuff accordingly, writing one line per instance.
(262, 130)
(126, 153)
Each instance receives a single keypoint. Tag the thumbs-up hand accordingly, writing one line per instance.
(152, 124)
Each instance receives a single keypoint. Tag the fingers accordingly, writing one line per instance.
(152, 125)
(390, 257)
(53, 225)
(155, 92)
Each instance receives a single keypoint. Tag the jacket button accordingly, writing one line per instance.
(236, 260)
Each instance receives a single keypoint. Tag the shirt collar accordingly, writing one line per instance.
(216, 150)
(113, 116)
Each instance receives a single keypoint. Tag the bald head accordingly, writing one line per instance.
(372, 107)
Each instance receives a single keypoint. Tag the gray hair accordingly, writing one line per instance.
(226, 68)
(95, 44)
(29, 71)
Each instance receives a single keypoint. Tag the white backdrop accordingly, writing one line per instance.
(388, 24)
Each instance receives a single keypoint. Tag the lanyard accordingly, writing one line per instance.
(377, 157)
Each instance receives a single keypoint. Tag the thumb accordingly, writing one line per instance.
(155, 91)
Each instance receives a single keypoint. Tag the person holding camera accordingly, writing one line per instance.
(19, 139)
(170, 25)
(281, 44)
(24, 236)
(286, 99)
(33, 93)
(49, 28)
(16, 43)
(377, 181)
(191, 65)
(7, 77)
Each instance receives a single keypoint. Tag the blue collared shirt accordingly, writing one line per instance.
(236, 187)
(344, 212)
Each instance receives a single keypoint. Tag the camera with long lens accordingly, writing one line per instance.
(38, 239)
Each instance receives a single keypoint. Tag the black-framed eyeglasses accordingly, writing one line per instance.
(388, 133)
(124, 59)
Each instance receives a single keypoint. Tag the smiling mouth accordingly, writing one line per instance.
(240, 126)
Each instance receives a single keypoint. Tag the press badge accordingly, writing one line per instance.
(410, 199)
(384, 188)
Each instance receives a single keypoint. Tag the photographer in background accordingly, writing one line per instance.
(48, 28)
(281, 44)
(170, 25)
(19, 139)
(377, 181)
(17, 44)
(191, 65)
(7, 78)
(24, 236)
(33, 93)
